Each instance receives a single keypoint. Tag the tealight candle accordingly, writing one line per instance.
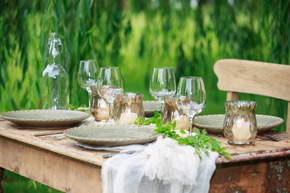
(129, 108)
(128, 118)
(240, 125)
(182, 122)
(241, 131)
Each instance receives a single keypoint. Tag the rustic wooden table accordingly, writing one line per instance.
(60, 164)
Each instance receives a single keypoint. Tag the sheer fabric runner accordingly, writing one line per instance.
(163, 167)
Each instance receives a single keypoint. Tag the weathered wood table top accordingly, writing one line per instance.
(78, 169)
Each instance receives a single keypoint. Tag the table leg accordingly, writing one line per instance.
(1, 178)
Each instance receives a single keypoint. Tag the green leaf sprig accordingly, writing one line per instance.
(80, 108)
(201, 142)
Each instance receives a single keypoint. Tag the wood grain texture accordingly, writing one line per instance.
(270, 175)
(64, 147)
(262, 149)
(288, 119)
(232, 96)
(252, 77)
(57, 171)
(64, 166)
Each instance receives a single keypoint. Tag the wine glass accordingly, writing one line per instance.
(162, 84)
(88, 73)
(191, 97)
(110, 84)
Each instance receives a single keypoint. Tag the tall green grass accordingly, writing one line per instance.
(137, 36)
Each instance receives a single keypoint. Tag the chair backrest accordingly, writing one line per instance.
(252, 77)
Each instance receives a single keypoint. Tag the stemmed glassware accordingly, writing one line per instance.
(191, 97)
(162, 84)
(88, 73)
(110, 84)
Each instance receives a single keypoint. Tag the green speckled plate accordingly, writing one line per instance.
(214, 123)
(112, 135)
(45, 118)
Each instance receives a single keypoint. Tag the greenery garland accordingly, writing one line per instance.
(200, 141)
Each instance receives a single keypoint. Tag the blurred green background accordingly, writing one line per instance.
(137, 35)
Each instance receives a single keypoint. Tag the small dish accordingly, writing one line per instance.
(214, 123)
(112, 135)
(45, 117)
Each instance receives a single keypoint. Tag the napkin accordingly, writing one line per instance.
(162, 167)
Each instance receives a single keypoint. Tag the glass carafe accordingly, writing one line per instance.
(128, 108)
(54, 82)
(240, 126)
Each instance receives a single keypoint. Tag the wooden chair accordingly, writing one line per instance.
(1, 178)
(252, 77)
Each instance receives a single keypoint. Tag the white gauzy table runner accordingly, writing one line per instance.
(160, 167)
(163, 167)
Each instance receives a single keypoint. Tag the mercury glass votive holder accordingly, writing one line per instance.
(129, 107)
(240, 125)
(172, 113)
(99, 106)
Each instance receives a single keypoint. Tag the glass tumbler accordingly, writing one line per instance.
(240, 125)
(172, 113)
(128, 108)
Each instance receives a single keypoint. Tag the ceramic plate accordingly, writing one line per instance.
(150, 107)
(45, 118)
(214, 123)
(112, 135)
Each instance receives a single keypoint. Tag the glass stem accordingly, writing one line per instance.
(111, 120)
(161, 100)
(89, 95)
(190, 124)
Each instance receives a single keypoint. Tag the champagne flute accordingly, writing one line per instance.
(162, 84)
(191, 97)
(88, 72)
(110, 84)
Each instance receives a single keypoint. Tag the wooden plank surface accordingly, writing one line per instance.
(64, 166)
(252, 77)
(51, 169)
(66, 147)
(262, 149)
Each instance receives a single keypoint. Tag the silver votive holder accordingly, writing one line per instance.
(240, 125)
(129, 107)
